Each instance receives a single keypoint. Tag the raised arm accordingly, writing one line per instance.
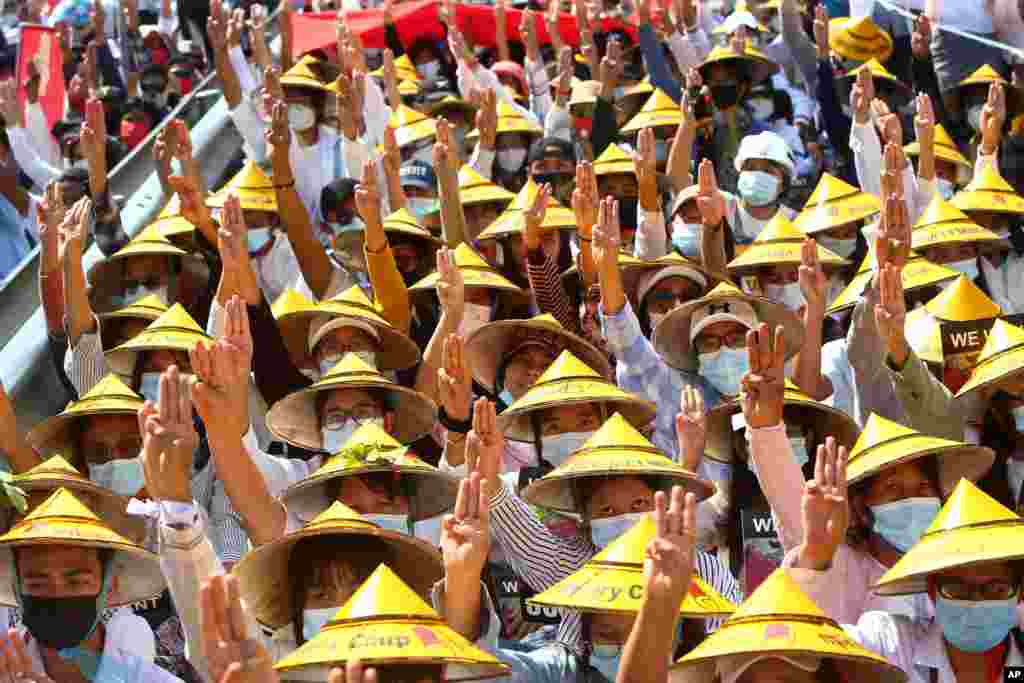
(451, 292)
(585, 199)
(807, 366)
(455, 396)
(217, 31)
(80, 318)
(453, 219)
(711, 204)
(465, 545)
(680, 156)
(49, 216)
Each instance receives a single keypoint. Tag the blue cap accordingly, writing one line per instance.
(418, 174)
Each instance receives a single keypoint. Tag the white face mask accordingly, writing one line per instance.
(474, 316)
(605, 657)
(334, 439)
(429, 70)
(604, 531)
(511, 159)
(141, 291)
(761, 108)
(81, 163)
(149, 386)
(723, 369)
(686, 237)
(124, 477)
(974, 117)
(789, 295)
(968, 267)
(301, 117)
(840, 247)
(945, 188)
(399, 523)
(314, 619)
(758, 188)
(558, 447)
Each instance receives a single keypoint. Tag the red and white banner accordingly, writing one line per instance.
(39, 54)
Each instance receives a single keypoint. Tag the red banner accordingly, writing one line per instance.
(39, 54)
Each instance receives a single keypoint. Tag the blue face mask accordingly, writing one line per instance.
(724, 368)
(399, 523)
(257, 238)
(758, 188)
(420, 206)
(1018, 418)
(506, 397)
(686, 238)
(975, 626)
(903, 522)
(149, 386)
(558, 447)
(604, 531)
(605, 658)
(314, 619)
(124, 477)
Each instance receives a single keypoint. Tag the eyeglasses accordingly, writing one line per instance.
(360, 414)
(734, 340)
(955, 589)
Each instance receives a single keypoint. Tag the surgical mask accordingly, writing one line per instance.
(257, 238)
(314, 619)
(149, 386)
(1015, 475)
(789, 295)
(62, 622)
(946, 188)
(511, 159)
(976, 626)
(761, 108)
(558, 447)
(968, 267)
(301, 117)
(686, 237)
(724, 368)
(661, 149)
(141, 291)
(506, 397)
(474, 316)
(604, 531)
(902, 522)
(399, 523)
(124, 477)
(429, 70)
(1018, 418)
(605, 658)
(974, 117)
(419, 206)
(80, 163)
(799, 446)
(840, 247)
(758, 188)
(725, 95)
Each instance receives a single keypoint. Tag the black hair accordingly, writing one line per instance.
(335, 193)
(858, 532)
(541, 148)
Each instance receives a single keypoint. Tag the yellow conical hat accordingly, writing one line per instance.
(411, 125)
(885, 444)
(614, 160)
(971, 528)
(352, 308)
(63, 520)
(386, 622)
(917, 273)
(407, 88)
(405, 70)
(859, 38)
(148, 308)
(779, 244)
(658, 110)
(475, 189)
(513, 220)
(945, 149)
(295, 419)
(568, 381)
(962, 301)
(644, 87)
(617, 449)
(175, 330)
(510, 120)
(264, 571)
(989, 192)
(672, 335)
(476, 272)
(291, 312)
(799, 408)
(302, 75)
(399, 223)
(370, 450)
(1001, 359)
(254, 188)
(779, 619)
(613, 581)
(110, 396)
(491, 345)
(983, 75)
(943, 223)
(761, 67)
(834, 203)
(149, 242)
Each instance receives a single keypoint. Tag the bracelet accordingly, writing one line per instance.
(453, 425)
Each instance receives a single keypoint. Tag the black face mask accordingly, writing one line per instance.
(59, 623)
(725, 95)
(561, 185)
(627, 212)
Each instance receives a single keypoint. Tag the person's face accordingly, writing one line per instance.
(149, 271)
(72, 152)
(127, 328)
(991, 220)
(373, 494)
(158, 360)
(575, 418)
(517, 245)
(109, 437)
(299, 96)
(511, 141)
(989, 581)
(778, 275)
(614, 496)
(765, 166)
(776, 671)
(355, 403)
(951, 253)
(690, 212)
(60, 571)
(418, 192)
(618, 185)
(423, 56)
(407, 257)
(611, 628)
(721, 73)
(898, 483)
(333, 583)
(343, 214)
(551, 166)
(721, 334)
(669, 293)
(479, 216)
(342, 340)
(526, 367)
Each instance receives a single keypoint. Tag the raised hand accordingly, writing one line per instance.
(94, 146)
(611, 68)
(762, 390)
(890, 128)
(99, 23)
(455, 383)
(821, 31)
(236, 330)
(891, 313)
(217, 26)
(49, 216)
(73, 229)
(993, 116)
(487, 119)
(15, 663)
(691, 427)
(565, 73)
(465, 535)
(709, 200)
(191, 202)
(485, 446)
(169, 440)
(368, 205)
(924, 122)
(921, 38)
(825, 506)
(645, 163)
(813, 282)
(353, 673)
(893, 240)
(534, 218)
(221, 396)
(585, 199)
(551, 24)
(528, 33)
(230, 650)
(669, 557)
(862, 95)
(894, 162)
(231, 242)
(607, 237)
(451, 288)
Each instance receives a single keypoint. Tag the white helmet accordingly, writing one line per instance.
(769, 146)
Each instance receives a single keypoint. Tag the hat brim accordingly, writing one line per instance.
(515, 421)
(955, 461)
(941, 152)
(514, 223)
(827, 420)
(953, 232)
(264, 578)
(1002, 367)
(479, 278)
(988, 201)
(652, 120)
(487, 347)
(56, 433)
(250, 200)
(779, 254)
(122, 359)
(816, 219)
(615, 168)
(109, 272)
(395, 350)
(109, 506)
(917, 274)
